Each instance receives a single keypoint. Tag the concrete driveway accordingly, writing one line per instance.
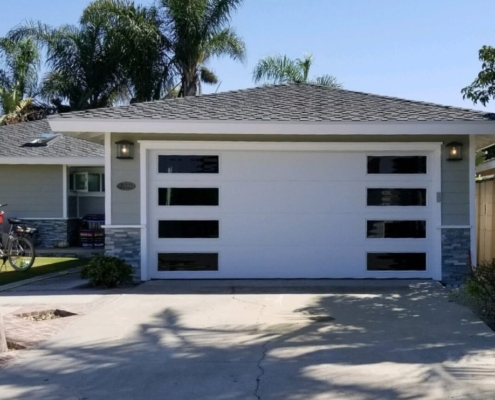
(265, 340)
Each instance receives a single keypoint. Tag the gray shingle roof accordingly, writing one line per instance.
(298, 102)
(12, 137)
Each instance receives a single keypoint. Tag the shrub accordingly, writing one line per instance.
(481, 285)
(107, 271)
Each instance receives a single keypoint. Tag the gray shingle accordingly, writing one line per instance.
(12, 137)
(290, 102)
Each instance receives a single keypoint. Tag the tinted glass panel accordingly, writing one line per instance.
(396, 229)
(397, 165)
(187, 197)
(188, 229)
(397, 197)
(396, 261)
(188, 164)
(188, 262)
(93, 182)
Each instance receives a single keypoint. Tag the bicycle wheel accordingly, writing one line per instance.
(21, 254)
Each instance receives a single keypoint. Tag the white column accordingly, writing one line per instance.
(472, 197)
(108, 178)
(65, 192)
(143, 178)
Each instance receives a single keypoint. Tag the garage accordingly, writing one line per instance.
(287, 210)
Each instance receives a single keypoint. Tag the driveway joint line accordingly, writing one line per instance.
(262, 370)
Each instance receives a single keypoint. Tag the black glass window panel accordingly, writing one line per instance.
(397, 197)
(188, 196)
(396, 261)
(182, 164)
(397, 165)
(187, 229)
(396, 229)
(188, 262)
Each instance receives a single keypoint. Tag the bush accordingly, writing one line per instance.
(107, 271)
(481, 285)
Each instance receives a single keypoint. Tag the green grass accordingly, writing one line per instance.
(42, 266)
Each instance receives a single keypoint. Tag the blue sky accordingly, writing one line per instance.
(416, 49)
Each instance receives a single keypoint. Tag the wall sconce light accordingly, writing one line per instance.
(454, 150)
(125, 150)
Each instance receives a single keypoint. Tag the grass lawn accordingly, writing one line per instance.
(42, 266)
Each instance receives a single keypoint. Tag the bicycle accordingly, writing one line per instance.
(19, 250)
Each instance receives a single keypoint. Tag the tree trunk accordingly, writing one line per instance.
(3, 338)
(189, 86)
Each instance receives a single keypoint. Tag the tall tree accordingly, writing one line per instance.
(19, 66)
(199, 30)
(482, 89)
(282, 69)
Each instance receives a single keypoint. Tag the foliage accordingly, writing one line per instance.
(107, 271)
(481, 285)
(199, 30)
(482, 89)
(19, 64)
(282, 69)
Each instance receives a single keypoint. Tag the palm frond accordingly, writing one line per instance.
(207, 76)
(276, 69)
(327, 80)
(226, 42)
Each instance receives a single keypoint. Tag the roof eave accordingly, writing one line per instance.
(75, 126)
(73, 161)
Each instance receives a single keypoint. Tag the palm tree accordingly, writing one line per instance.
(199, 30)
(282, 69)
(19, 65)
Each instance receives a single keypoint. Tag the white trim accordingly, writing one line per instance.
(123, 226)
(83, 126)
(472, 197)
(287, 146)
(436, 260)
(65, 192)
(143, 172)
(108, 178)
(485, 166)
(454, 227)
(52, 160)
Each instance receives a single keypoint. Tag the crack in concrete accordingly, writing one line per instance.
(262, 371)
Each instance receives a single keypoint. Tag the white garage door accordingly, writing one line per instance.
(291, 214)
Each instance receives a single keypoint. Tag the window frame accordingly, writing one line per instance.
(175, 186)
(213, 252)
(394, 219)
(398, 174)
(198, 238)
(396, 271)
(195, 154)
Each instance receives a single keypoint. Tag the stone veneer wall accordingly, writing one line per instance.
(456, 245)
(125, 243)
(55, 230)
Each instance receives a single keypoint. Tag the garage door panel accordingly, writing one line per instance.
(290, 215)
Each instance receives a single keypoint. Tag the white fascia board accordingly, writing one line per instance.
(271, 128)
(288, 146)
(70, 161)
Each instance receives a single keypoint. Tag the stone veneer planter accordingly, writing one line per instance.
(125, 243)
(456, 245)
(55, 230)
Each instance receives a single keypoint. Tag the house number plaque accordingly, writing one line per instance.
(126, 186)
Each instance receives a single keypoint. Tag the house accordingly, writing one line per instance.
(288, 181)
(50, 180)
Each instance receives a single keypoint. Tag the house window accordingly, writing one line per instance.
(188, 196)
(397, 165)
(184, 164)
(87, 182)
(396, 229)
(188, 229)
(396, 197)
(188, 262)
(396, 262)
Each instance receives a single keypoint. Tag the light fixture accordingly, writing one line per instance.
(125, 150)
(454, 150)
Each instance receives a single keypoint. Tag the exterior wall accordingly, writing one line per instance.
(51, 231)
(31, 191)
(455, 175)
(456, 244)
(87, 205)
(125, 243)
